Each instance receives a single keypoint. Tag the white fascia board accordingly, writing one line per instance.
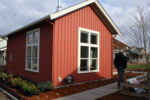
(107, 16)
(70, 9)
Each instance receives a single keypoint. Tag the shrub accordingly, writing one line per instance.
(46, 86)
(16, 82)
(10, 77)
(28, 87)
(37, 92)
(4, 76)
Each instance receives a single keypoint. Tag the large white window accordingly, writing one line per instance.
(88, 52)
(32, 50)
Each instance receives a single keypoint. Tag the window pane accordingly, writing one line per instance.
(84, 52)
(94, 53)
(93, 39)
(29, 62)
(36, 37)
(84, 37)
(30, 38)
(84, 65)
(35, 51)
(28, 51)
(34, 59)
(93, 65)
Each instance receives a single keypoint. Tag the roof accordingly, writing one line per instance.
(119, 45)
(93, 3)
(137, 50)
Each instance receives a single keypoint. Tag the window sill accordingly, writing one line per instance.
(86, 72)
(30, 70)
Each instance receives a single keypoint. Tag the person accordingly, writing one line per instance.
(120, 63)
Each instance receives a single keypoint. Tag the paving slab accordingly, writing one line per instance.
(93, 93)
(3, 97)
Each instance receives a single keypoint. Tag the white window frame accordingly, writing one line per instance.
(89, 46)
(33, 44)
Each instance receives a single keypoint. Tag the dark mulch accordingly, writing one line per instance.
(64, 91)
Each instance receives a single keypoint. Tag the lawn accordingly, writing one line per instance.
(137, 66)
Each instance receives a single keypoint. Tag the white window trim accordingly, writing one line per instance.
(89, 45)
(31, 70)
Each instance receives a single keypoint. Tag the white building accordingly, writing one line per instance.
(3, 47)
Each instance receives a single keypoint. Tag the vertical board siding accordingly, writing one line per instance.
(65, 46)
(17, 48)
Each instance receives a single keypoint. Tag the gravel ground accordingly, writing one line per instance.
(3, 97)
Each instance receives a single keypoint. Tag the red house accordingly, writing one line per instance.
(75, 41)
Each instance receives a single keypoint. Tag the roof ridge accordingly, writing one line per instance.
(112, 26)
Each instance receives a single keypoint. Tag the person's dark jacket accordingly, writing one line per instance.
(120, 60)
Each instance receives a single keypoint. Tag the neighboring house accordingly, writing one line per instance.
(76, 41)
(3, 46)
(136, 55)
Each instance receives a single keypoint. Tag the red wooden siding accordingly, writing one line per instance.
(17, 48)
(65, 46)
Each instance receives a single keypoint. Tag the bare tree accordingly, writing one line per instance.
(139, 28)
(139, 32)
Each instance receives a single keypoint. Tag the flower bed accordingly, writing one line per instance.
(59, 92)
(25, 87)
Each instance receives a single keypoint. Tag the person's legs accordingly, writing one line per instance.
(120, 75)
(119, 72)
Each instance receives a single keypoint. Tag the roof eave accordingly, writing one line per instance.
(108, 17)
(27, 26)
(69, 10)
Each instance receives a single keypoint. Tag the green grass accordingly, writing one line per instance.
(137, 66)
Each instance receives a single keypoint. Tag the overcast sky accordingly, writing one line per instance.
(17, 13)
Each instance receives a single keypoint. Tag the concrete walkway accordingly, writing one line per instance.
(3, 97)
(93, 93)
(97, 92)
